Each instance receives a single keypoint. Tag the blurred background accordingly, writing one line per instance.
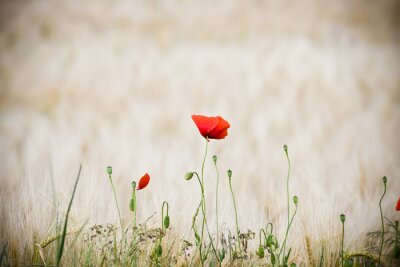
(115, 83)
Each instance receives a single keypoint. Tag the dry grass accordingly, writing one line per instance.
(115, 84)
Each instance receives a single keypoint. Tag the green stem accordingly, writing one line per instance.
(342, 245)
(286, 234)
(216, 204)
(287, 192)
(383, 225)
(236, 216)
(116, 202)
(134, 212)
(203, 211)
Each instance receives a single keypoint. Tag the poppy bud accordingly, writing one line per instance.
(342, 218)
(396, 223)
(295, 200)
(285, 148)
(109, 170)
(229, 173)
(260, 252)
(159, 250)
(166, 221)
(134, 185)
(132, 205)
(214, 159)
(188, 176)
(384, 179)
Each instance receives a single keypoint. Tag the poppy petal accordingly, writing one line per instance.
(144, 181)
(398, 205)
(221, 130)
(205, 124)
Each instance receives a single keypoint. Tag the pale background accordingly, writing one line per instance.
(115, 83)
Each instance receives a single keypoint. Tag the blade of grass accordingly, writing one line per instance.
(64, 233)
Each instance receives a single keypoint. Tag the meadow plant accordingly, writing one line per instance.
(143, 246)
(109, 172)
(383, 225)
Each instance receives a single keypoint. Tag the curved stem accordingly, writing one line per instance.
(287, 232)
(236, 216)
(272, 228)
(383, 225)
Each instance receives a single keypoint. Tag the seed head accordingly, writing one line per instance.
(109, 170)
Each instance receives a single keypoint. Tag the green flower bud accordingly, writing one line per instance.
(273, 259)
(166, 221)
(260, 252)
(134, 185)
(132, 205)
(295, 200)
(285, 148)
(159, 250)
(109, 170)
(189, 176)
(342, 218)
(229, 173)
(214, 159)
(270, 240)
(384, 179)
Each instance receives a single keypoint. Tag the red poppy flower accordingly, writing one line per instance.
(211, 127)
(398, 205)
(144, 181)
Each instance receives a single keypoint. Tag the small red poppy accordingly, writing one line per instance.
(211, 127)
(398, 205)
(144, 181)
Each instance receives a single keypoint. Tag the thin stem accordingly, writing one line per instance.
(134, 212)
(287, 191)
(236, 216)
(287, 232)
(116, 202)
(342, 245)
(205, 220)
(216, 203)
(383, 225)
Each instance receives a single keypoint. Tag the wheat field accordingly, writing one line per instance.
(115, 83)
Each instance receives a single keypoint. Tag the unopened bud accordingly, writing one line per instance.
(261, 252)
(396, 223)
(384, 179)
(295, 200)
(214, 159)
(134, 185)
(189, 175)
(285, 148)
(229, 173)
(109, 170)
(159, 250)
(342, 218)
(166, 221)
